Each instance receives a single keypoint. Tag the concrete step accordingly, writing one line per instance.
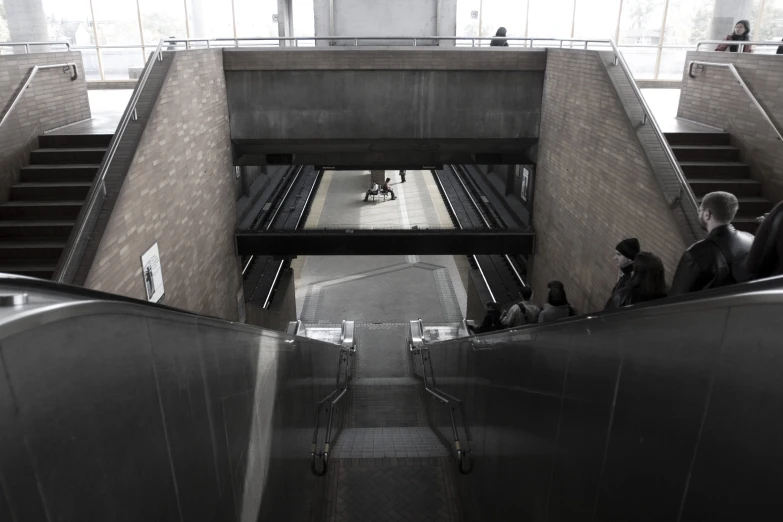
(712, 153)
(41, 250)
(54, 141)
(40, 268)
(67, 156)
(741, 188)
(50, 191)
(46, 173)
(698, 138)
(714, 170)
(35, 230)
(754, 207)
(41, 210)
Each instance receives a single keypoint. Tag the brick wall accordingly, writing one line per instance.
(52, 100)
(593, 185)
(180, 192)
(715, 98)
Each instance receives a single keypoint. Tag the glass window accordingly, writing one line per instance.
(70, 21)
(255, 18)
(4, 35)
(641, 22)
(596, 18)
(117, 22)
(672, 64)
(468, 18)
(511, 14)
(641, 60)
(688, 21)
(770, 26)
(162, 19)
(551, 18)
(210, 19)
(304, 18)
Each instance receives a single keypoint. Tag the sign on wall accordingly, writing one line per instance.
(153, 276)
(474, 15)
(525, 183)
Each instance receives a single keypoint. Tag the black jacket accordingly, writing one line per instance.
(627, 270)
(766, 255)
(628, 295)
(496, 42)
(713, 262)
(491, 322)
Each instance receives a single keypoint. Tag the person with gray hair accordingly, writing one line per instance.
(719, 259)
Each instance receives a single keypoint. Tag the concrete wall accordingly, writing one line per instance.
(180, 192)
(715, 98)
(53, 100)
(593, 186)
(416, 93)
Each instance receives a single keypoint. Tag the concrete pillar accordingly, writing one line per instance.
(285, 20)
(447, 20)
(323, 21)
(378, 176)
(200, 14)
(727, 13)
(26, 22)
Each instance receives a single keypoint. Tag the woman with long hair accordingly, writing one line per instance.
(648, 281)
(556, 306)
(741, 33)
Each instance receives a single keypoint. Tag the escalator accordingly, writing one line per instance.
(116, 409)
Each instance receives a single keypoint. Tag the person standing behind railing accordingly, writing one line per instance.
(780, 49)
(741, 33)
(498, 42)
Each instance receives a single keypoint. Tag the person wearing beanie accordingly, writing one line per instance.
(625, 252)
(741, 33)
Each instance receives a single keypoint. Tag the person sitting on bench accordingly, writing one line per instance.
(387, 188)
(372, 192)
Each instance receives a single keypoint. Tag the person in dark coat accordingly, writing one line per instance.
(491, 320)
(648, 282)
(765, 258)
(719, 259)
(402, 176)
(741, 33)
(556, 306)
(387, 188)
(780, 48)
(499, 42)
(625, 253)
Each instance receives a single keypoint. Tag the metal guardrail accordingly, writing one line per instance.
(74, 247)
(730, 67)
(27, 45)
(66, 67)
(740, 43)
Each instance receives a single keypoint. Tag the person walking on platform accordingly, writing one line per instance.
(387, 188)
(499, 42)
(491, 320)
(522, 313)
(402, 176)
(648, 282)
(719, 259)
(625, 253)
(556, 306)
(741, 33)
(765, 258)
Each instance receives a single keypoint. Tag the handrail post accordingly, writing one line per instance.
(26, 48)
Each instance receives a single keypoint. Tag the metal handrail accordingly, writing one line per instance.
(98, 189)
(742, 43)
(417, 347)
(27, 45)
(66, 67)
(648, 115)
(730, 67)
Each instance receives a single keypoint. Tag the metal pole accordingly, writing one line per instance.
(481, 15)
(619, 18)
(187, 24)
(660, 41)
(141, 32)
(97, 45)
(234, 18)
(573, 21)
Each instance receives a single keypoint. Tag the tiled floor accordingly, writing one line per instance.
(664, 103)
(106, 106)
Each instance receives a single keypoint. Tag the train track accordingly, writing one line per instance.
(289, 210)
(470, 208)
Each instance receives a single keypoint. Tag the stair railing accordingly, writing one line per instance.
(733, 70)
(88, 216)
(66, 67)
(329, 403)
(418, 347)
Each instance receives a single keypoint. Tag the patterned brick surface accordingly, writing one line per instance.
(715, 98)
(52, 100)
(179, 192)
(593, 185)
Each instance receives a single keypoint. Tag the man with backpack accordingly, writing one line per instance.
(717, 260)
(522, 313)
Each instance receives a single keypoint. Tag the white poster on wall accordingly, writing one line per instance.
(153, 276)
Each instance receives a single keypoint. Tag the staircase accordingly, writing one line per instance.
(42, 208)
(710, 163)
